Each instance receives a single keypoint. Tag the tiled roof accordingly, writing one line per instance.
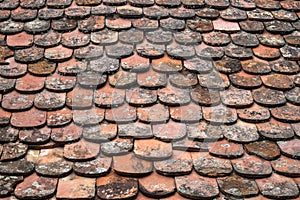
(149, 99)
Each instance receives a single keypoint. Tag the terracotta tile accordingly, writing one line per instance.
(188, 113)
(195, 186)
(207, 12)
(32, 4)
(6, 53)
(176, 196)
(219, 114)
(103, 9)
(35, 136)
(172, 24)
(59, 83)
(66, 134)
(116, 187)
(173, 3)
(156, 12)
(226, 26)
(77, 12)
(123, 79)
(21, 40)
(34, 118)
(74, 39)
(122, 114)
(58, 53)
(11, 27)
(233, 14)
(140, 96)
(135, 63)
(52, 163)
(7, 184)
(278, 186)
(20, 167)
(4, 117)
(42, 68)
(135, 130)
(254, 114)
(47, 145)
(204, 96)
(149, 50)
(21, 14)
(108, 96)
(173, 96)
(286, 166)
(287, 113)
(290, 148)
(152, 149)
(104, 37)
(64, 24)
(104, 65)
(214, 80)
(293, 39)
(72, 67)
(8, 134)
(156, 185)
(4, 14)
(166, 64)
(268, 97)
(93, 168)
(273, 80)
(252, 26)
(91, 79)
(157, 113)
(296, 128)
(80, 98)
(208, 165)
(88, 117)
(130, 165)
(180, 51)
(37, 26)
(49, 39)
(145, 24)
(13, 151)
(275, 130)
(117, 23)
(245, 80)
(268, 5)
(290, 5)
(235, 97)
(297, 80)
(50, 13)
(59, 3)
(6, 84)
(29, 55)
(187, 144)
(238, 186)
(28, 188)
(179, 164)
(129, 11)
(290, 52)
(89, 52)
(220, 4)
(119, 50)
(279, 27)
(271, 40)
(187, 37)
(49, 100)
(81, 150)
(170, 131)
(267, 53)
(198, 65)
(200, 25)
(215, 38)
(226, 149)
(159, 36)
(204, 131)
(81, 187)
(100, 133)
(117, 146)
(151, 79)
(15, 101)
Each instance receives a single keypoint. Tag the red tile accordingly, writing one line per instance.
(157, 113)
(278, 186)
(116, 187)
(268, 97)
(166, 65)
(75, 39)
(265, 149)
(15, 101)
(286, 166)
(170, 131)
(51, 163)
(59, 117)
(66, 134)
(122, 114)
(145, 23)
(152, 149)
(211, 166)
(72, 67)
(117, 23)
(237, 98)
(20, 40)
(157, 186)
(77, 12)
(151, 79)
(254, 114)
(287, 113)
(238, 186)
(35, 186)
(292, 39)
(117, 146)
(204, 96)
(81, 150)
(173, 96)
(219, 114)
(226, 149)
(59, 3)
(35, 136)
(88, 2)
(4, 117)
(179, 164)
(88, 117)
(241, 132)
(29, 83)
(140, 96)
(13, 151)
(58, 53)
(100, 133)
(188, 113)
(122, 79)
(290, 148)
(80, 98)
(267, 53)
(109, 96)
(204, 131)
(81, 187)
(48, 39)
(225, 26)
(4, 14)
(135, 130)
(21, 14)
(34, 118)
(278, 81)
(214, 80)
(135, 63)
(290, 5)
(130, 165)
(197, 187)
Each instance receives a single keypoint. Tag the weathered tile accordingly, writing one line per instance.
(104, 64)
(52, 163)
(7, 184)
(141, 3)
(195, 186)
(34, 118)
(11, 27)
(290, 148)
(151, 79)
(285, 15)
(157, 113)
(254, 114)
(166, 65)
(58, 53)
(192, 3)
(207, 12)
(130, 165)
(233, 14)
(296, 128)
(135, 63)
(293, 39)
(186, 113)
(8, 134)
(50, 13)
(5, 54)
(91, 79)
(135, 130)
(48, 39)
(260, 15)
(81, 150)
(241, 132)
(156, 12)
(200, 25)
(211, 166)
(209, 52)
(290, 5)
(49, 100)
(157, 186)
(219, 114)
(59, 3)
(29, 55)
(100, 133)
(131, 36)
(172, 24)
(181, 13)
(117, 23)
(216, 38)
(278, 81)
(69, 133)
(23, 15)
(275, 130)
(149, 50)
(80, 98)
(265, 149)
(20, 167)
(187, 144)
(32, 4)
(170, 131)
(145, 24)
(15, 101)
(286, 166)
(203, 131)
(286, 113)
(81, 187)
(239, 52)
(277, 186)
(87, 117)
(89, 52)
(13, 151)
(88, 2)
(252, 26)
(235, 97)
(290, 52)
(77, 12)
(245, 80)
(268, 97)
(37, 26)
(103, 9)
(42, 68)
(64, 24)
(173, 96)
(245, 39)
(204, 96)
(140, 96)
(4, 117)
(119, 50)
(108, 96)
(226, 149)
(152, 149)
(117, 147)
(35, 136)
(35, 186)
(4, 15)
(238, 186)
(129, 11)
(75, 39)
(273, 5)
(279, 27)
(187, 37)
(198, 65)
(266, 53)
(123, 114)
(59, 83)
(271, 40)
(116, 187)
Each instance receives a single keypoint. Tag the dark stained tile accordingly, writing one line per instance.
(82, 187)
(15, 101)
(51, 163)
(238, 186)
(131, 36)
(152, 149)
(145, 24)
(286, 166)
(241, 132)
(187, 37)
(200, 25)
(49, 100)
(20, 167)
(103, 9)
(273, 80)
(11, 27)
(167, 64)
(273, 5)
(265, 149)
(198, 65)
(4, 117)
(238, 52)
(180, 51)
(29, 55)
(277, 186)
(141, 3)
(135, 130)
(245, 81)
(89, 52)
(219, 4)
(211, 166)
(89, 116)
(13, 151)
(7, 184)
(157, 113)
(172, 24)
(196, 186)
(209, 52)
(130, 165)
(140, 96)
(204, 96)
(42, 68)
(59, 83)
(166, 3)
(173, 96)
(226, 26)
(208, 13)
(236, 98)
(119, 50)
(233, 14)
(290, 52)
(290, 148)
(123, 114)
(48, 39)
(6, 53)
(286, 113)
(252, 26)
(275, 130)
(100, 133)
(157, 186)
(28, 188)
(93, 168)
(271, 40)
(77, 12)
(34, 118)
(285, 15)
(80, 98)
(156, 12)
(50, 13)
(186, 113)
(75, 39)
(13, 69)
(91, 79)
(279, 27)
(149, 50)
(104, 65)
(290, 5)
(254, 114)
(35, 136)
(8, 134)
(59, 3)
(293, 39)
(245, 39)
(170, 131)
(182, 13)
(226, 149)
(21, 14)
(260, 15)
(203, 131)
(20, 40)
(116, 187)
(135, 63)
(118, 146)
(64, 24)
(268, 97)
(91, 24)
(108, 96)
(219, 114)
(228, 65)
(58, 53)
(284, 66)
(81, 150)
(66, 134)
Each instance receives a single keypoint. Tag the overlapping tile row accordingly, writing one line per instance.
(149, 99)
